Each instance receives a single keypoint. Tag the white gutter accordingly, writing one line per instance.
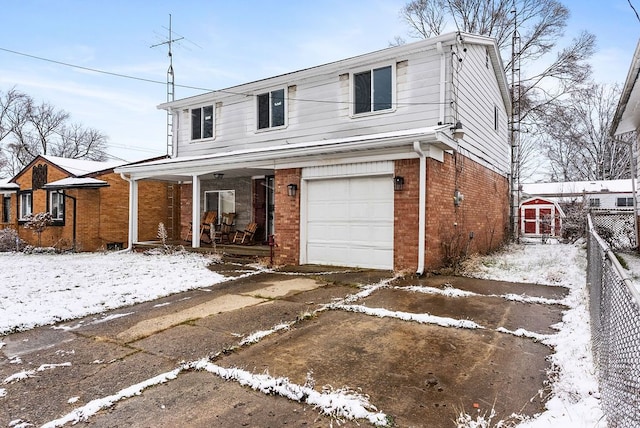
(422, 205)
(266, 155)
(443, 81)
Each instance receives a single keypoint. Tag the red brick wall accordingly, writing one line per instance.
(405, 222)
(287, 218)
(484, 210)
(102, 214)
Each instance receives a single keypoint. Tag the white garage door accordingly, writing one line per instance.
(350, 222)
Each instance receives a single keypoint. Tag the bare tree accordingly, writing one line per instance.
(28, 130)
(539, 24)
(77, 142)
(576, 140)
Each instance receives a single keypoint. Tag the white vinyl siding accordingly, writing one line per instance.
(318, 103)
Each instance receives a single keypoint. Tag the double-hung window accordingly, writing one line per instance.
(202, 123)
(373, 90)
(56, 206)
(25, 207)
(271, 109)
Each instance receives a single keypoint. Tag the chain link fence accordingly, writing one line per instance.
(615, 227)
(615, 329)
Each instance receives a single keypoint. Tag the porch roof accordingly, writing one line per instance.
(399, 143)
(76, 183)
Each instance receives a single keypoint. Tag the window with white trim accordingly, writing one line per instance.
(56, 206)
(271, 109)
(25, 205)
(624, 202)
(221, 201)
(373, 90)
(202, 123)
(594, 202)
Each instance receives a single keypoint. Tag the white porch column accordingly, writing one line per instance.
(133, 212)
(195, 212)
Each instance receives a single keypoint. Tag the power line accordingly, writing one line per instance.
(95, 70)
(220, 91)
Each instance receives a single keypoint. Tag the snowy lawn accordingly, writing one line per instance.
(42, 289)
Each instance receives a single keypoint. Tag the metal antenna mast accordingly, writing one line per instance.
(170, 88)
(516, 93)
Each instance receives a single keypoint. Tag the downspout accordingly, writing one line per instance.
(422, 205)
(443, 82)
(130, 234)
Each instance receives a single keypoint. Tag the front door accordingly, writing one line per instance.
(263, 207)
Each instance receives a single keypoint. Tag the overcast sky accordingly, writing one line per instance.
(225, 43)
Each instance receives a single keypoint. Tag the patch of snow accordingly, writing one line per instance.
(407, 316)
(257, 336)
(340, 404)
(91, 408)
(25, 374)
(68, 286)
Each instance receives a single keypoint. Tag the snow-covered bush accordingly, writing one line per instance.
(38, 223)
(10, 241)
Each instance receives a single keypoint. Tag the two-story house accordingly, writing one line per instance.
(396, 159)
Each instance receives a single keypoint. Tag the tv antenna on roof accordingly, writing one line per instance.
(170, 87)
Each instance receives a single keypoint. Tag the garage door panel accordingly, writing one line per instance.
(350, 221)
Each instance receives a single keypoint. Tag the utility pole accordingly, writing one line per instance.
(514, 131)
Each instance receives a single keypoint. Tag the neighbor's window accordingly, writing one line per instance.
(373, 90)
(56, 206)
(25, 205)
(202, 123)
(6, 209)
(624, 202)
(271, 111)
(594, 202)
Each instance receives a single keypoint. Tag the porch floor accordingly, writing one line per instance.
(226, 250)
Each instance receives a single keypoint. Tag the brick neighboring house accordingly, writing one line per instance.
(396, 159)
(88, 202)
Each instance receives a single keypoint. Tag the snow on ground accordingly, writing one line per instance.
(42, 289)
(574, 401)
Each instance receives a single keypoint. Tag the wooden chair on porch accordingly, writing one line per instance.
(225, 230)
(208, 224)
(245, 236)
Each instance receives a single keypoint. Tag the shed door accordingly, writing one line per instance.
(350, 222)
(530, 220)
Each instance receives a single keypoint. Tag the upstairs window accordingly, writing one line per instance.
(56, 206)
(624, 202)
(373, 90)
(202, 123)
(25, 207)
(594, 203)
(271, 111)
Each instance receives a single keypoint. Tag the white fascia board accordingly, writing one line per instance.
(267, 157)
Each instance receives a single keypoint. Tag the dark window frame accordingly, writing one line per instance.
(202, 123)
(626, 202)
(374, 90)
(271, 109)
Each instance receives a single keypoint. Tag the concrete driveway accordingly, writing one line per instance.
(395, 344)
